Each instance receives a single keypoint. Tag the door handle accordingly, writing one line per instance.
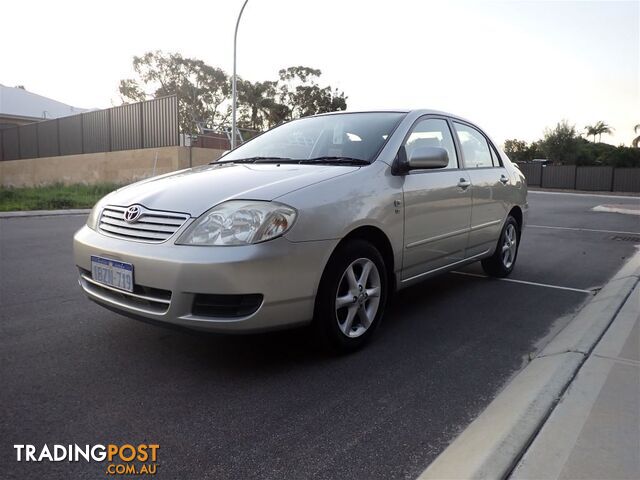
(464, 184)
(504, 179)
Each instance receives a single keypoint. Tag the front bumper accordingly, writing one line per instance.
(286, 273)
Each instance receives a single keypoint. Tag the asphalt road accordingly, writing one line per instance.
(273, 406)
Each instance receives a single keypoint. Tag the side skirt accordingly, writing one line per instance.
(403, 283)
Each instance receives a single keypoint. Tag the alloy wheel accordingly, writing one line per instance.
(509, 246)
(358, 297)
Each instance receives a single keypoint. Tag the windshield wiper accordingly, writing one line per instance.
(316, 160)
(255, 160)
(337, 160)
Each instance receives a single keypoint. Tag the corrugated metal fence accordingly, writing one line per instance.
(149, 124)
(582, 178)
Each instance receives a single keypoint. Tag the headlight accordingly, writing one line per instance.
(94, 215)
(239, 222)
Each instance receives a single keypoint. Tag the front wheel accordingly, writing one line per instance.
(501, 263)
(352, 296)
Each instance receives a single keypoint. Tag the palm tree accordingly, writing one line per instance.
(256, 100)
(636, 141)
(591, 130)
(601, 127)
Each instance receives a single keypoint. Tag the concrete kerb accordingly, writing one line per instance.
(611, 343)
(493, 443)
(588, 326)
(593, 431)
(44, 213)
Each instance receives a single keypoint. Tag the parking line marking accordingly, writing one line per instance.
(524, 282)
(577, 229)
(626, 197)
(618, 208)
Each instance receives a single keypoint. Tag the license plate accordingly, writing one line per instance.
(112, 272)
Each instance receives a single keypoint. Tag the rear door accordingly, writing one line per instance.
(489, 187)
(437, 204)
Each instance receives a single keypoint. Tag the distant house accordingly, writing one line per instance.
(19, 106)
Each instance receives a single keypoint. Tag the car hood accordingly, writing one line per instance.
(196, 190)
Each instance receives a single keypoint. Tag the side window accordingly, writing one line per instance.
(475, 148)
(432, 132)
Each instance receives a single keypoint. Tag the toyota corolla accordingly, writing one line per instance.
(317, 221)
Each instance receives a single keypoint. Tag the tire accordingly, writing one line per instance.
(503, 260)
(346, 315)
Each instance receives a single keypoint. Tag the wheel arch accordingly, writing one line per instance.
(516, 212)
(378, 239)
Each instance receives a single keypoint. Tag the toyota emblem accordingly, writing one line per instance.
(132, 214)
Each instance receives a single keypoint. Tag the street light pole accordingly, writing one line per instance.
(234, 92)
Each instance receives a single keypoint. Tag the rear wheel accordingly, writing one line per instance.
(502, 262)
(352, 296)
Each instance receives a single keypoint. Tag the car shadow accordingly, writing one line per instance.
(409, 313)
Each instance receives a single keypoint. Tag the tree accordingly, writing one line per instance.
(561, 143)
(298, 90)
(636, 141)
(295, 94)
(521, 151)
(130, 90)
(622, 157)
(256, 103)
(591, 130)
(599, 128)
(516, 150)
(203, 91)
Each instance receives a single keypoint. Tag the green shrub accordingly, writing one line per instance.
(562, 145)
(53, 197)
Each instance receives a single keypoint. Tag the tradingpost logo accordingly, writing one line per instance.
(125, 459)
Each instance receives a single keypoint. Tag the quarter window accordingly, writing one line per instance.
(495, 156)
(432, 132)
(475, 148)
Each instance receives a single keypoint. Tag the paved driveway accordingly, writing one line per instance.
(272, 406)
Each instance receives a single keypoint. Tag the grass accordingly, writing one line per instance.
(53, 197)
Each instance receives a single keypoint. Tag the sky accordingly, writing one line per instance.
(513, 67)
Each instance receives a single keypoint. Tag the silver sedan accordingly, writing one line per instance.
(316, 222)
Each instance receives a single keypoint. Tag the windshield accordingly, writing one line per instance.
(348, 136)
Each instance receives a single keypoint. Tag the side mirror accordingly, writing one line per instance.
(428, 157)
(421, 158)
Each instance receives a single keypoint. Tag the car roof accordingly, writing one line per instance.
(416, 112)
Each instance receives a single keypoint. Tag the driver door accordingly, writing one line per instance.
(437, 213)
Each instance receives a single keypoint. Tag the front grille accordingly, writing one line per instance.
(226, 306)
(150, 226)
(149, 299)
